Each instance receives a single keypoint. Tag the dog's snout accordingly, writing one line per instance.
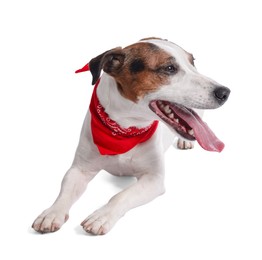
(221, 94)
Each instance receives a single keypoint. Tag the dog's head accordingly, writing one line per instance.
(162, 75)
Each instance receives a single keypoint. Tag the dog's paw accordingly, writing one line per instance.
(184, 145)
(100, 222)
(50, 220)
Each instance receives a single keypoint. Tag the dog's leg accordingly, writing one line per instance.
(147, 188)
(73, 185)
(184, 144)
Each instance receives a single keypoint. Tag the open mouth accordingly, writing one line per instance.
(187, 123)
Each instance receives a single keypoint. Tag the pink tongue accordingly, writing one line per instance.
(204, 135)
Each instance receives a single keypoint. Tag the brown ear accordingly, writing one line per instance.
(110, 61)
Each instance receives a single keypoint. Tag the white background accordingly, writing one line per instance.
(212, 207)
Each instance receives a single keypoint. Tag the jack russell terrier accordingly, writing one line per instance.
(148, 82)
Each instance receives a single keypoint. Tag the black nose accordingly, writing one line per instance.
(221, 94)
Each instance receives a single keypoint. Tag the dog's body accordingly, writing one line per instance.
(152, 80)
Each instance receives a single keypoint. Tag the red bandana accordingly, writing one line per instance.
(109, 137)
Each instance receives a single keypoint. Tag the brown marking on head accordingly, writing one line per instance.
(141, 73)
(138, 69)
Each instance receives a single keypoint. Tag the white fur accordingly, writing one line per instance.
(145, 161)
(189, 87)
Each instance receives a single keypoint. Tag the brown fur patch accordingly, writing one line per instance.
(142, 71)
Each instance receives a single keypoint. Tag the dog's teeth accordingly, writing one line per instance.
(191, 132)
(177, 120)
(167, 109)
(171, 116)
(159, 102)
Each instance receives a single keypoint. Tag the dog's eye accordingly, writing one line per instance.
(171, 69)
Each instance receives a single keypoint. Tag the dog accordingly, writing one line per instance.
(145, 87)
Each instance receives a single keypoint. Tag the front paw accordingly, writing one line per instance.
(184, 145)
(100, 222)
(50, 220)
